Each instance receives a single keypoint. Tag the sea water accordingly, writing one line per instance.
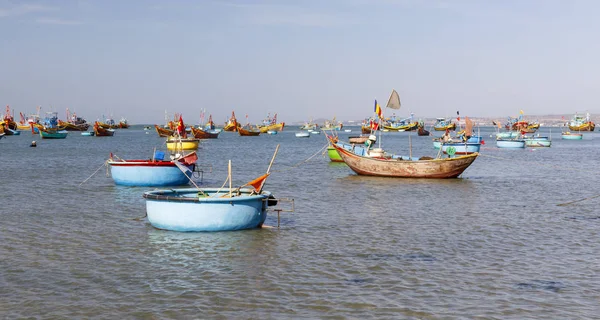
(506, 240)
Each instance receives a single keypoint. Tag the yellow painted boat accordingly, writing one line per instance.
(175, 144)
(272, 127)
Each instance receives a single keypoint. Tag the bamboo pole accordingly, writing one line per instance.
(229, 177)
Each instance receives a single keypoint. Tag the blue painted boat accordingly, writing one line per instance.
(437, 142)
(154, 172)
(52, 133)
(507, 135)
(87, 133)
(460, 147)
(537, 142)
(211, 209)
(571, 136)
(206, 209)
(510, 143)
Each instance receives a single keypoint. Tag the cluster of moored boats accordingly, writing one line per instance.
(455, 153)
(51, 127)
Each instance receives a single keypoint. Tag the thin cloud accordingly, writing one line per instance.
(57, 21)
(25, 9)
(262, 14)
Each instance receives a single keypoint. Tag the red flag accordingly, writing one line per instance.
(181, 127)
(258, 183)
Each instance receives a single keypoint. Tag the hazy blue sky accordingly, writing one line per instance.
(301, 59)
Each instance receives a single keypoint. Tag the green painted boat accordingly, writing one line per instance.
(334, 156)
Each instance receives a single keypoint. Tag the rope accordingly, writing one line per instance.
(304, 161)
(571, 202)
(103, 164)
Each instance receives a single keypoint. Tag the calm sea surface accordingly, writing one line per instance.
(493, 244)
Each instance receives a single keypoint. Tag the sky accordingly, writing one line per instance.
(302, 59)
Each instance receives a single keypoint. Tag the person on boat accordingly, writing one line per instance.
(446, 136)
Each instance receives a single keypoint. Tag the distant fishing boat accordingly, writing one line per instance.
(537, 142)
(50, 133)
(581, 123)
(443, 124)
(100, 131)
(199, 133)
(567, 135)
(303, 134)
(271, 124)
(88, 133)
(510, 143)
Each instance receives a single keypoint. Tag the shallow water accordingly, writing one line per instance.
(492, 244)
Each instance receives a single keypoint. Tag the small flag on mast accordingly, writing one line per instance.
(378, 109)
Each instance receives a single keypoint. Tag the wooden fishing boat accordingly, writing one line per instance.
(202, 134)
(175, 143)
(248, 132)
(332, 124)
(366, 160)
(443, 124)
(581, 123)
(270, 124)
(108, 124)
(153, 172)
(376, 162)
(232, 125)
(358, 139)
(163, 132)
(399, 126)
(211, 209)
(571, 135)
(52, 133)
(123, 124)
(422, 132)
(310, 125)
(72, 126)
(100, 131)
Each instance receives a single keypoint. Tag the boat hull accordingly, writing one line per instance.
(538, 142)
(572, 136)
(148, 173)
(392, 167)
(53, 135)
(588, 126)
(516, 143)
(183, 144)
(461, 148)
(184, 210)
(334, 156)
(272, 127)
(302, 134)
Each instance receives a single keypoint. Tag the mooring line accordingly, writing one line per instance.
(301, 162)
(575, 201)
(92, 174)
